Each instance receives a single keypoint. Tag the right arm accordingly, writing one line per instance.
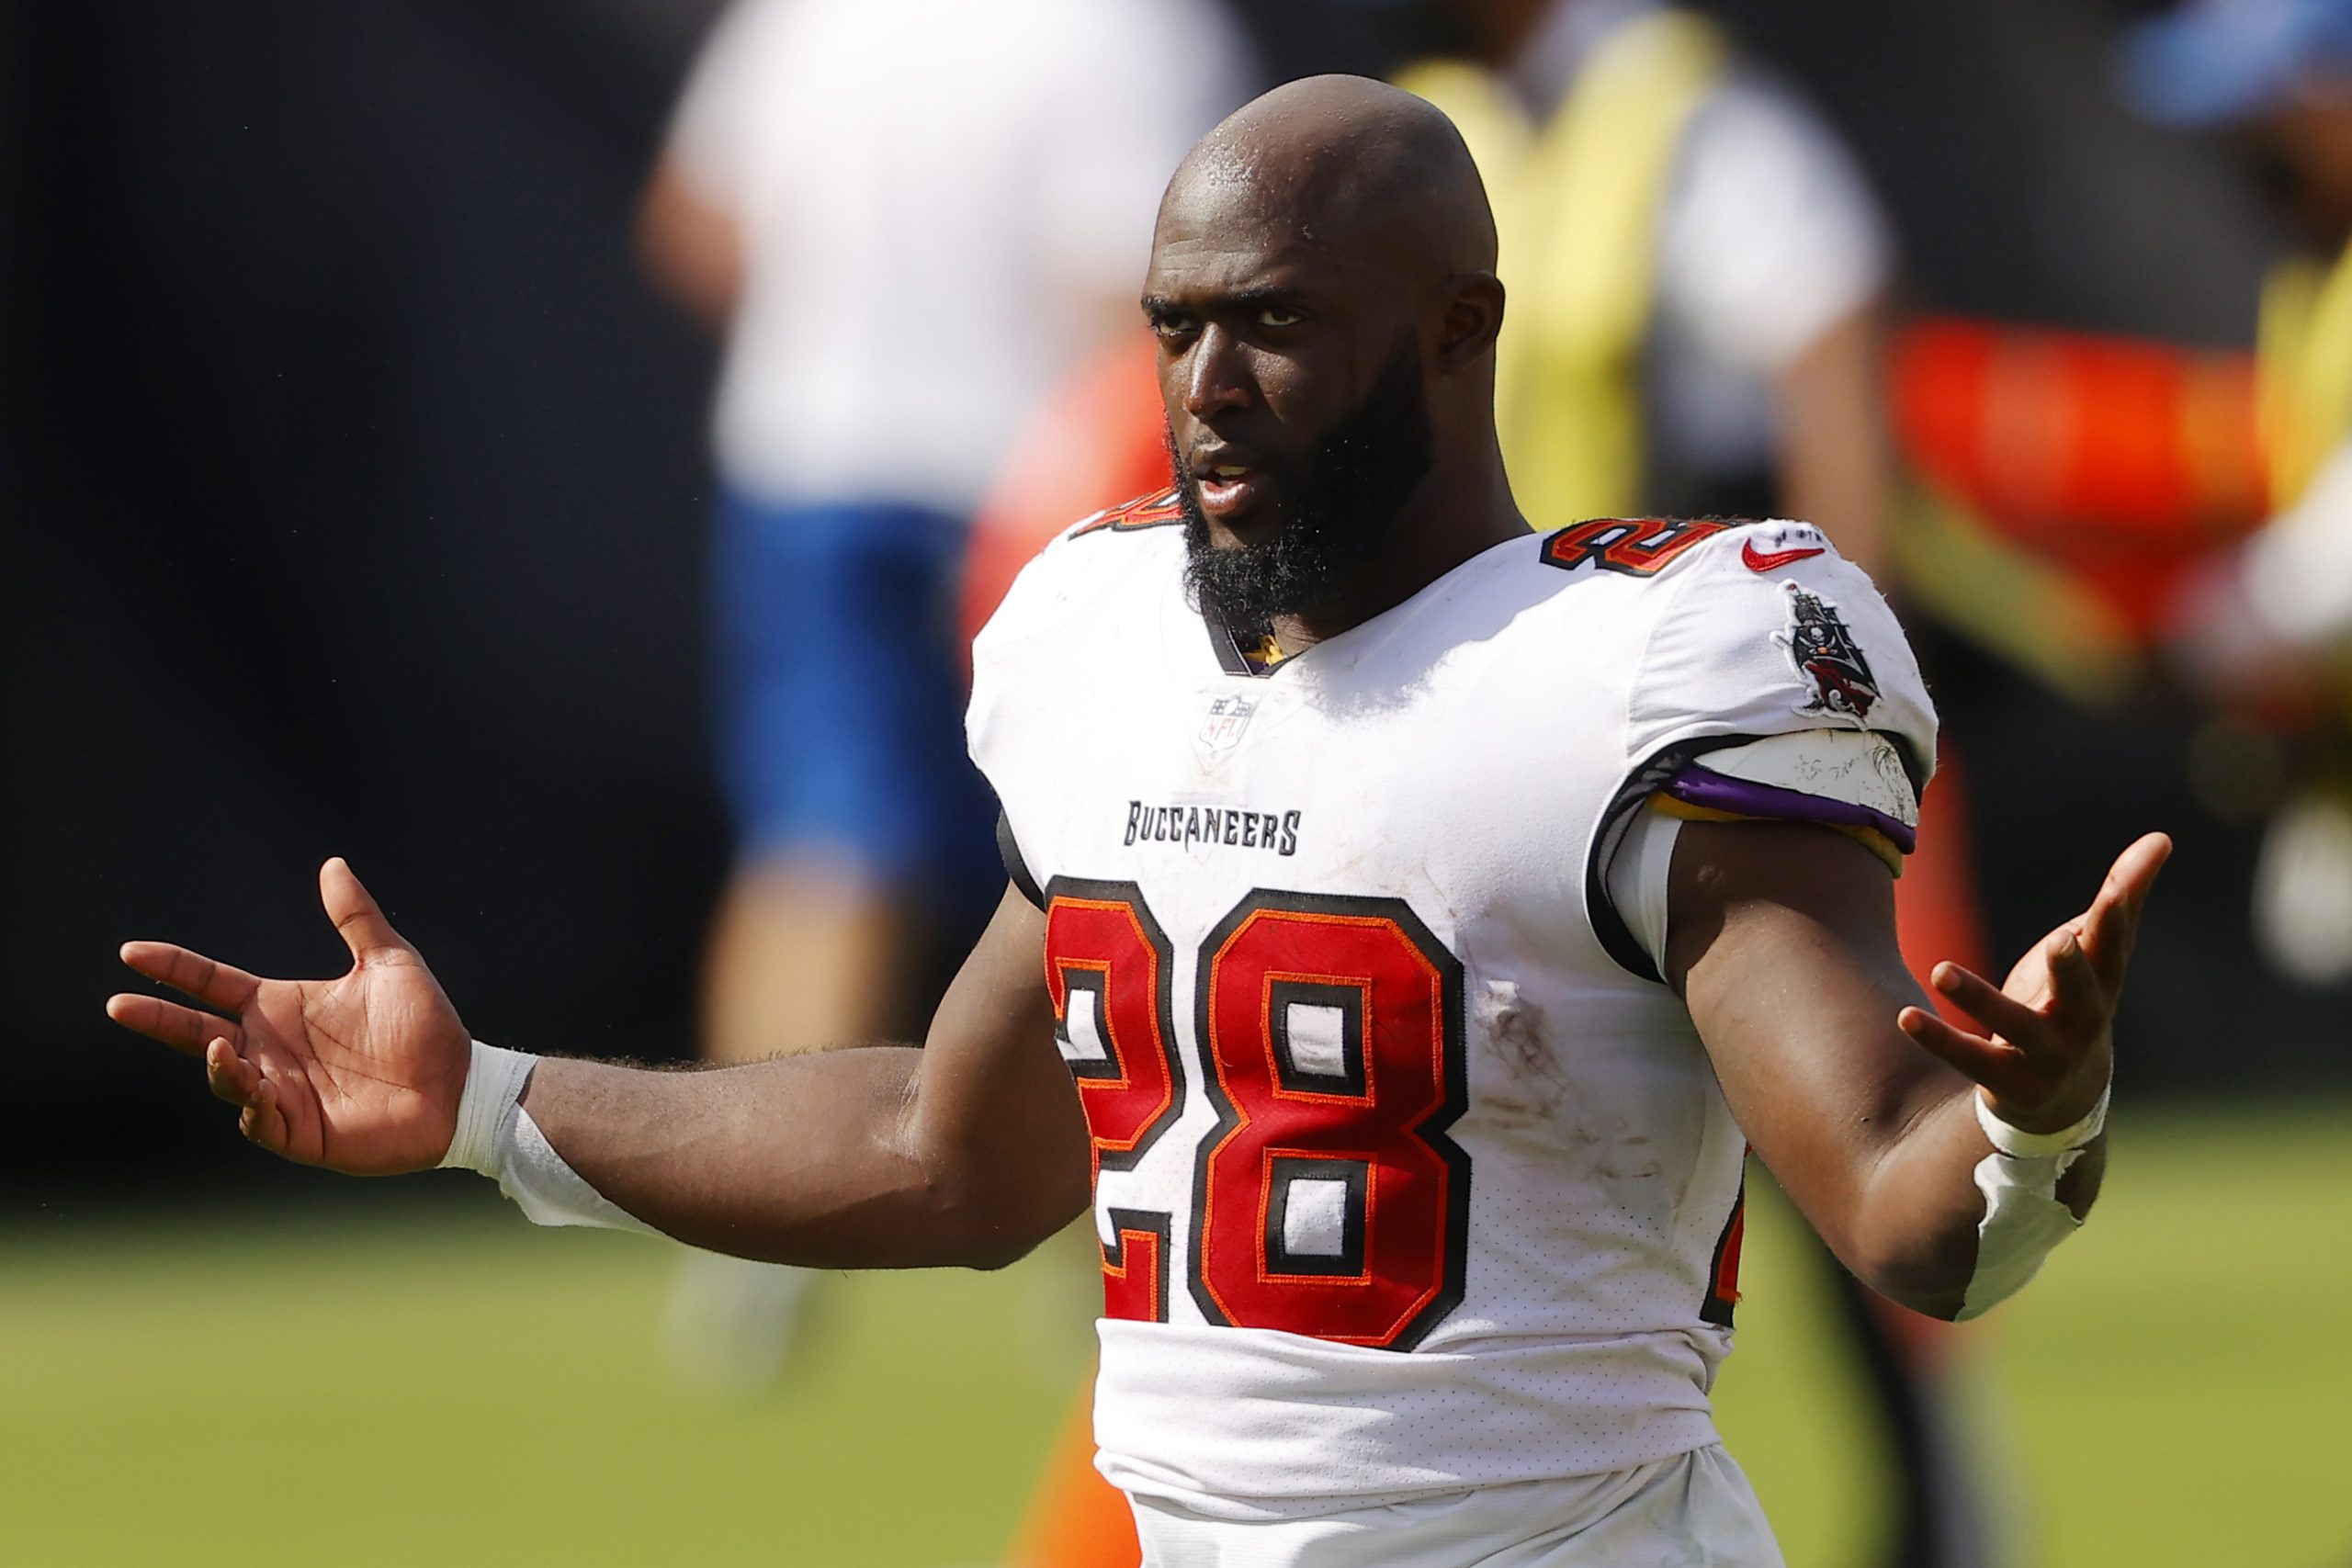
(968, 1151)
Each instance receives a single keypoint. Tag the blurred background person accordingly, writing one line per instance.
(1699, 279)
(907, 217)
(2266, 630)
(1699, 270)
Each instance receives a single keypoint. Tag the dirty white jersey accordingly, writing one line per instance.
(1411, 1175)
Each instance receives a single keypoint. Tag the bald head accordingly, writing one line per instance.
(1322, 287)
(1339, 160)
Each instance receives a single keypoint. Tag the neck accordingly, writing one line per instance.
(1454, 514)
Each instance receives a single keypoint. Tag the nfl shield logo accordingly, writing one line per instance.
(1228, 717)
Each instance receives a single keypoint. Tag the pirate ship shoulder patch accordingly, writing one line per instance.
(1832, 665)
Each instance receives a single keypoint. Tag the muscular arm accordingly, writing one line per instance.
(968, 1151)
(1781, 940)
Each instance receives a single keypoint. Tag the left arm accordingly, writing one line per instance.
(1781, 940)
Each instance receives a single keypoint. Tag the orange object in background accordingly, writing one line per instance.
(1937, 918)
(1099, 440)
(1076, 1520)
(2120, 460)
(1937, 913)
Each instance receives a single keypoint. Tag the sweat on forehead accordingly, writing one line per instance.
(1330, 156)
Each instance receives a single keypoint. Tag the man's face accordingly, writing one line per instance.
(1297, 415)
(1334, 514)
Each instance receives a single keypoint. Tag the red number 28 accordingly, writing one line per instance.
(1328, 1200)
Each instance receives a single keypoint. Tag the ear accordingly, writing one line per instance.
(1473, 315)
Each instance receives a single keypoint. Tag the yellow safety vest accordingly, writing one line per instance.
(1576, 208)
(2305, 370)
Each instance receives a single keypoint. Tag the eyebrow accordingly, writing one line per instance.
(1156, 305)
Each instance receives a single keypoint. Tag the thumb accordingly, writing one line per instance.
(354, 914)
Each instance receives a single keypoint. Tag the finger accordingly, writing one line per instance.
(2000, 1013)
(1982, 1060)
(2110, 928)
(223, 986)
(2078, 997)
(230, 1076)
(181, 1028)
(354, 914)
(264, 1121)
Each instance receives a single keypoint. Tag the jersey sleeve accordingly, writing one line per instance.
(1769, 631)
(1773, 685)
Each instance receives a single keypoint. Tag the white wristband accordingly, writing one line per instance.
(2019, 1143)
(494, 1080)
(2023, 1217)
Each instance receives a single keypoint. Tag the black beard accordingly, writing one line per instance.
(1372, 459)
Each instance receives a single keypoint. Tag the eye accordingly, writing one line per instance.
(1172, 328)
(1278, 316)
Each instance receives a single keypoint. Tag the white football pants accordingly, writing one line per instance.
(1695, 1510)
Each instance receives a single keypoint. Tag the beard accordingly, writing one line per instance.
(1334, 517)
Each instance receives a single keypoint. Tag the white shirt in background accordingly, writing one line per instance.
(944, 202)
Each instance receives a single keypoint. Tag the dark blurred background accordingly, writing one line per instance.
(353, 498)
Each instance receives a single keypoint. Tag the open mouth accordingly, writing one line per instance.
(1228, 487)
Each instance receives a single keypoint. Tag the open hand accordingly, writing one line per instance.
(362, 1073)
(2047, 1052)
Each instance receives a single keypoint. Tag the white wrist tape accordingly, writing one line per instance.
(546, 1189)
(2023, 1218)
(2016, 1141)
(497, 1137)
(494, 1080)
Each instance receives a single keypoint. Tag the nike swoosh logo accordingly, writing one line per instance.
(1771, 560)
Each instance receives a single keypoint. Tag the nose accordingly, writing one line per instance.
(1216, 373)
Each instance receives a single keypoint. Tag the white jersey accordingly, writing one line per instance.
(1411, 1175)
(908, 172)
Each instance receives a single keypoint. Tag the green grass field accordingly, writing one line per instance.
(394, 1382)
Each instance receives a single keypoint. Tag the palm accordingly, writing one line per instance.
(362, 1073)
(2044, 1054)
(2034, 982)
